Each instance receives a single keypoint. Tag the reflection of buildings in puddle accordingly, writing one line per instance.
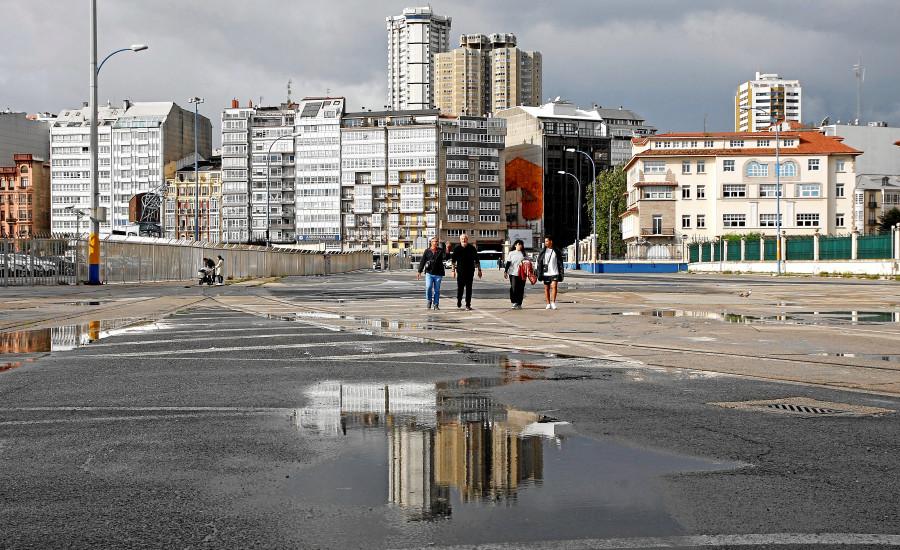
(66, 337)
(441, 436)
(10, 366)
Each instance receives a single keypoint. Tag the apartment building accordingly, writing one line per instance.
(690, 187)
(25, 197)
(766, 98)
(22, 134)
(139, 146)
(317, 171)
(485, 75)
(194, 200)
(541, 141)
(622, 125)
(414, 37)
(272, 160)
(236, 173)
(875, 196)
(472, 161)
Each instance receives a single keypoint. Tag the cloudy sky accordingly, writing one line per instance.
(673, 62)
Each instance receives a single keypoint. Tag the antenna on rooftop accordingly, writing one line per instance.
(860, 78)
(290, 81)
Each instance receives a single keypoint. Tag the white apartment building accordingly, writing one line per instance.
(139, 145)
(317, 154)
(413, 39)
(696, 187)
(767, 97)
(272, 174)
(236, 173)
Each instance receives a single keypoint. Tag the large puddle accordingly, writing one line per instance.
(447, 460)
(69, 337)
(825, 317)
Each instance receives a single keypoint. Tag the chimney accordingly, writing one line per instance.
(126, 104)
(235, 104)
(84, 104)
(251, 103)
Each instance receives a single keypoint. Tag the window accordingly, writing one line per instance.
(808, 190)
(701, 191)
(807, 220)
(762, 143)
(685, 221)
(728, 166)
(708, 144)
(839, 220)
(657, 192)
(654, 166)
(685, 167)
(685, 192)
(768, 220)
(787, 169)
(734, 191)
(734, 220)
(813, 164)
(839, 190)
(736, 143)
(701, 221)
(788, 143)
(839, 165)
(701, 166)
(767, 190)
(757, 170)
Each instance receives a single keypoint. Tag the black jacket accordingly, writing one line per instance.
(542, 267)
(436, 258)
(466, 259)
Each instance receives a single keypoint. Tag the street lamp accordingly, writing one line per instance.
(594, 193)
(578, 217)
(196, 101)
(94, 239)
(609, 228)
(777, 185)
(268, 179)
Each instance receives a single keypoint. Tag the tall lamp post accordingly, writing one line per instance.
(578, 217)
(94, 239)
(196, 101)
(777, 184)
(269, 177)
(594, 194)
(609, 229)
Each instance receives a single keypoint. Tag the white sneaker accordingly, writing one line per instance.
(548, 307)
(552, 305)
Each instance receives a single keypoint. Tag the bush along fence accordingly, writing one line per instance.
(142, 259)
(824, 253)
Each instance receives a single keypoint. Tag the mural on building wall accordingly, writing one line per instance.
(521, 174)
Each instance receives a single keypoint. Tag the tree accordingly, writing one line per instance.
(889, 220)
(611, 186)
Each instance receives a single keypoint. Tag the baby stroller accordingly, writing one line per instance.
(207, 275)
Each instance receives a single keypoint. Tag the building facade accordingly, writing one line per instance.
(875, 196)
(139, 146)
(622, 125)
(317, 154)
(22, 134)
(766, 98)
(538, 143)
(487, 74)
(414, 37)
(189, 189)
(25, 198)
(697, 187)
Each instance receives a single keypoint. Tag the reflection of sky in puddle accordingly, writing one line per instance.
(69, 336)
(793, 317)
(490, 473)
(892, 358)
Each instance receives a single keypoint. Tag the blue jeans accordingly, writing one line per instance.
(433, 288)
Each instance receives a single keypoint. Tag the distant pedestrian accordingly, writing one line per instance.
(500, 264)
(550, 270)
(465, 263)
(220, 270)
(432, 263)
(514, 261)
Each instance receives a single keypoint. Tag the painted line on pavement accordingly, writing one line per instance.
(243, 348)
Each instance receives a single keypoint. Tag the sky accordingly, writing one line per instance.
(675, 63)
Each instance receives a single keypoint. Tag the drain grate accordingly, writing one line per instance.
(804, 406)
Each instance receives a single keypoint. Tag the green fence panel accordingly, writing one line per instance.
(751, 250)
(694, 253)
(706, 252)
(799, 248)
(873, 247)
(771, 251)
(734, 251)
(835, 248)
(717, 252)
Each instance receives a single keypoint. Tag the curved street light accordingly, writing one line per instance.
(578, 217)
(197, 101)
(594, 193)
(777, 184)
(268, 179)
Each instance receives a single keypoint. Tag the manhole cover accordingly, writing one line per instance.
(804, 406)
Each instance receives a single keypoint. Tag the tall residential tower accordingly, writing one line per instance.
(413, 39)
(767, 97)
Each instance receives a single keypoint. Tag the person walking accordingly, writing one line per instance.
(550, 270)
(432, 263)
(220, 270)
(516, 281)
(465, 262)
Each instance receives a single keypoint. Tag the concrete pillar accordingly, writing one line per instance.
(897, 242)
(854, 245)
(762, 248)
(724, 250)
(816, 246)
(743, 249)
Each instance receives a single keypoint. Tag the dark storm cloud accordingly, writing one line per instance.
(672, 62)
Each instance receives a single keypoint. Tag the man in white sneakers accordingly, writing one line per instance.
(550, 270)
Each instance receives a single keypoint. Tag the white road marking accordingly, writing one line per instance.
(245, 348)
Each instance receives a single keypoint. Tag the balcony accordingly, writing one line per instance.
(657, 231)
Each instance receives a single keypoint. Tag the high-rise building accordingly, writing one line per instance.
(485, 75)
(317, 171)
(236, 173)
(139, 146)
(763, 99)
(413, 39)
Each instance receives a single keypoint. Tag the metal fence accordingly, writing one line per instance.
(869, 247)
(141, 259)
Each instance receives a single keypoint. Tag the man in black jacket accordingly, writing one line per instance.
(465, 261)
(550, 270)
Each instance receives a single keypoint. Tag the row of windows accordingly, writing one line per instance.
(765, 220)
(753, 169)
